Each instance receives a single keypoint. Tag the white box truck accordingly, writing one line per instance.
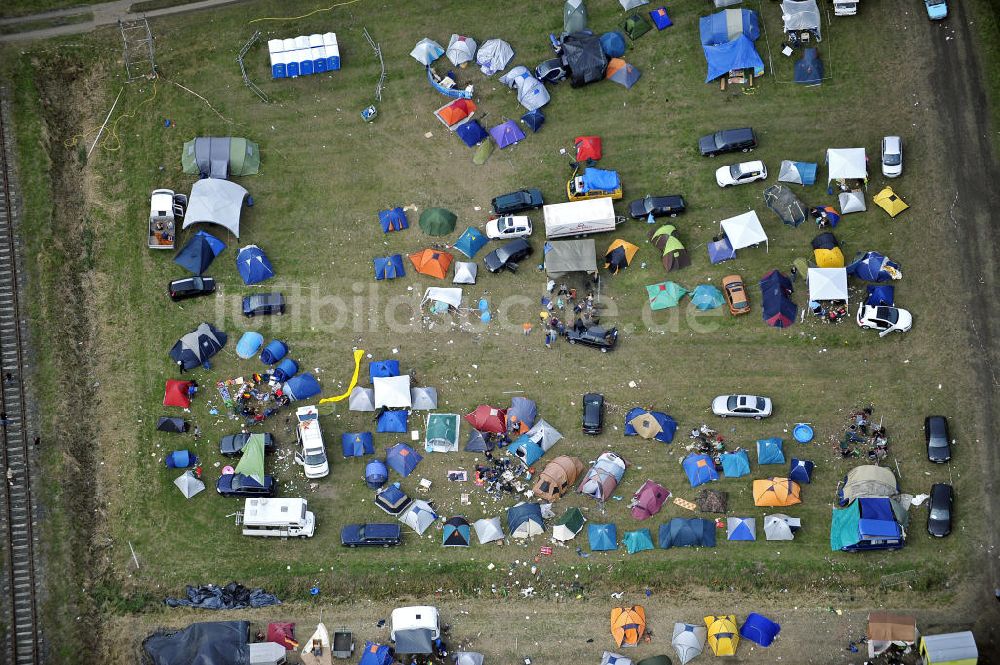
(578, 218)
(285, 518)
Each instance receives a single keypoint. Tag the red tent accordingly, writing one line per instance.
(283, 633)
(488, 419)
(587, 147)
(176, 393)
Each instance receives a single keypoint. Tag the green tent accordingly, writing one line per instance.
(638, 541)
(244, 157)
(252, 462)
(664, 294)
(220, 157)
(570, 524)
(636, 26)
(656, 660)
(674, 256)
(441, 435)
(437, 221)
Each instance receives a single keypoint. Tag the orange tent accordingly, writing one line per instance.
(628, 625)
(432, 262)
(619, 255)
(456, 111)
(776, 492)
(614, 64)
(558, 477)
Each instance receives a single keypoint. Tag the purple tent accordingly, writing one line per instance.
(507, 134)
(721, 250)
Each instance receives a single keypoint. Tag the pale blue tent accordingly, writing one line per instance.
(638, 541)
(736, 464)
(470, 242)
(706, 296)
(769, 451)
(249, 344)
(602, 537)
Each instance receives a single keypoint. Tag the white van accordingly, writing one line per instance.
(286, 518)
(312, 452)
(578, 218)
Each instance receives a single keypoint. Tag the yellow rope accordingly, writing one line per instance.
(358, 354)
(295, 18)
(113, 129)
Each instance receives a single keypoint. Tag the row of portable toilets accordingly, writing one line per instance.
(304, 55)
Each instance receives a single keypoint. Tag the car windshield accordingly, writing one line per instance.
(741, 305)
(940, 514)
(732, 402)
(503, 225)
(315, 458)
(760, 403)
(736, 170)
(720, 139)
(892, 159)
(937, 442)
(889, 314)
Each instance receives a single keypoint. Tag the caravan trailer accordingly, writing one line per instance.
(285, 518)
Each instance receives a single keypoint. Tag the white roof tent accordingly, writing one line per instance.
(215, 201)
(828, 284)
(847, 164)
(744, 230)
(392, 391)
(450, 296)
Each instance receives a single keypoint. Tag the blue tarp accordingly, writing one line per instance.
(285, 370)
(180, 459)
(737, 54)
(506, 134)
(253, 265)
(470, 242)
(375, 654)
(809, 68)
(687, 532)
(199, 252)
(356, 444)
(600, 180)
(721, 250)
(882, 294)
(668, 424)
(873, 267)
(389, 267)
(302, 387)
(534, 119)
(759, 629)
(602, 537)
(376, 474)
(383, 368)
(699, 469)
(471, 133)
(660, 18)
(613, 44)
(454, 93)
(273, 352)
(865, 524)
(393, 220)
(401, 458)
(715, 28)
(769, 451)
(800, 470)
(249, 344)
(736, 464)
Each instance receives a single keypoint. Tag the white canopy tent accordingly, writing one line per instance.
(827, 284)
(744, 230)
(215, 201)
(847, 164)
(800, 15)
(449, 296)
(392, 391)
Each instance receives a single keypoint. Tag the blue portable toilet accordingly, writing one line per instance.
(306, 65)
(393, 421)
(356, 444)
(273, 352)
(249, 344)
(276, 51)
(292, 66)
(285, 370)
(376, 474)
(332, 51)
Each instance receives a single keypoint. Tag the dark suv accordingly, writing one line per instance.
(727, 140)
(657, 206)
(263, 303)
(938, 439)
(522, 199)
(191, 287)
(593, 413)
(507, 256)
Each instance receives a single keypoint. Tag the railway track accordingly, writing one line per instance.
(20, 586)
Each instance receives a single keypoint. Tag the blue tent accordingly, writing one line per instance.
(393, 220)
(706, 296)
(881, 294)
(736, 464)
(375, 654)
(715, 28)
(180, 459)
(741, 528)
(285, 370)
(758, 628)
(507, 134)
(601, 180)
(471, 133)
(456, 532)
(470, 242)
(699, 469)
(356, 444)
(769, 451)
(777, 309)
(687, 532)
(534, 119)
(249, 344)
(393, 421)
(800, 173)
(865, 524)
(525, 520)
(668, 425)
(389, 267)
(401, 458)
(199, 252)
(801, 470)
(302, 387)
(253, 265)
(383, 368)
(721, 250)
(638, 541)
(809, 68)
(874, 267)
(660, 18)
(602, 537)
(613, 44)
(526, 449)
(273, 352)
(737, 54)
(376, 474)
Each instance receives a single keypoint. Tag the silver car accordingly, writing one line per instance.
(892, 156)
(741, 406)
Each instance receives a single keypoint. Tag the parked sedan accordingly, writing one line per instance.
(508, 227)
(938, 439)
(735, 294)
(741, 174)
(883, 318)
(232, 445)
(263, 303)
(939, 510)
(892, 156)
(507, 256)
(658, 206)
(237, 484)
(522, 199)
(595, 336)
(379, 534)
(191, 287)
(741, 406)
(593, 413)
(727, 140)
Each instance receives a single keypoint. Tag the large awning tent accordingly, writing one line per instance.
(827, 284)
(727, 39)
(744, 230)
(220, 157)
(216, 642)
(215, 201)
(867, 481)
(846, 164)
(800, 16)
(566, 256)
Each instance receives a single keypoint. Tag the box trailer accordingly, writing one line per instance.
(278, 517)
(578, 218)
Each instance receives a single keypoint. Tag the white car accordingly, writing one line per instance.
(892, 156)
(311, 455)
(884, 319)
(741, 406)
(740, 174)
(508, 226)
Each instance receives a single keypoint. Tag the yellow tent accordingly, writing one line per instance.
(723, 636)
(829, 258)
(619, 255)
(776, 492)
(889, 201)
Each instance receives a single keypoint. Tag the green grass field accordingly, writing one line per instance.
(324, 175)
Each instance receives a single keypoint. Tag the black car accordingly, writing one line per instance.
(191, 287)
(232, 445)
(938, 439)
(593, 413)
(507, 256)
(263, 303)
(659, 206)
(522, 199)
(237, 484)
(596, 336)
(551, 71)
(370, 535)
(727, 140)
(939, 510)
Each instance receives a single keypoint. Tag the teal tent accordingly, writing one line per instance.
(664, 294)
(470, 242)
(638, 541)
(706, 296)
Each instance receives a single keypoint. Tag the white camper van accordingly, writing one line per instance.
(414, 629)
(312, 452)
(578, 218)
(286, 518)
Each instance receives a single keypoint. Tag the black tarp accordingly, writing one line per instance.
(209, 643)
(173, 425)
(584, 56)
(233, 596)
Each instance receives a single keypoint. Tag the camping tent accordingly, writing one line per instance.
(427, 51)
(465, 272)
(199, 252)
(632, 4)
(524, 520)
(613, 44)
(847, 164)
(602, 479)
(739, 53)
(638, 541)
(531, 93)
(477, 443)
(800, 470)
(302, 387)
(852, 201)
(431, 262)
(699, 469)
(648, 500)
(215, 201)
(780, 527)
(720, 250)
(736, 464)
(471, 133)
(741, 528)
(574, 16)
(688, 641)
(723, 637)
(628, 625)
(583, 55)
(376, 474)
(672, 252)
(602, 538)
(759, 629)
(568, 525)
(175, 393)
(486, 418)
(443, 298)
(393, 421)
(456, 113)
(874, 267)
(885, 629)
(650, 425)
(521, 415)
(506, 134)
(402, 459)
(423, 398)
(469, 658)
(799, 173)
(777, 309)
(488, 530)
(251, 462)
(866, 524)
(389, 267)
(769, 451)
(622, 73)
(220, 157)
(588, 148)
(273, 352)
(827, 284)
(392, 391)
(635, 26)
(253, 265)
(357, 444)
(437, 221)
(725, 26)
(809, 68)
(392, 499)
(188, 484)
(393, 220)
(619, 255)
(744, 230)
(461, 49)
(776, 492)
(706, 296)
(249, 344)
(867, 481)
(215, 642)
(470, 242)
(610, 658)
(441, 433)
(687, 532)
(827, 252)
(494, 56)
(456, 532)
(557, 478)
(566, 256)
(371, 654)
(663, 295)
(800, 15)
(361, 399)
(419, 516)
(783, 203)
(197, 346)
(171, 425)
(889, 201)
(534, 119)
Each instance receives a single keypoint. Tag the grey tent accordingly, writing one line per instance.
(468, 658)
(415, 640)
(789, 172)
(488, 530)
(783, 203)
(196, 347)
(853, 201)
(544, 434)
(868, 481)
(215, 201)
(531, 93)
(465, 272)
(632, 4)
(780, 527)
(494, 56)
(220, 157)
(423, 399)
(188, 484)
(418, 517)
(688, 641)
(172, 425)
(574, 16)
(427, 51)
(477, 443)
(801, 15)
(361, 399)
(584, 56)
(522, 412)
(610, 658)
(566, 256)
(266, 653)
